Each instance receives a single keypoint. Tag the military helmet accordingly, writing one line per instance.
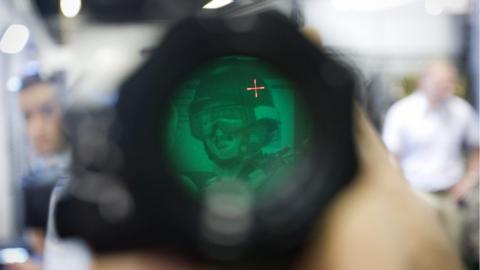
(232, 86)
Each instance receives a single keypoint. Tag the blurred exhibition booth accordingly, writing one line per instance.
(93, 45)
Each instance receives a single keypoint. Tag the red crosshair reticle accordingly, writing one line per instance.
(255, 88)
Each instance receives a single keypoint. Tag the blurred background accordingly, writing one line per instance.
(89, 46)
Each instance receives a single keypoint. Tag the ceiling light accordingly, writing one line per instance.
(14, 39)
(14, 84)
(214, 4)
(70, 8)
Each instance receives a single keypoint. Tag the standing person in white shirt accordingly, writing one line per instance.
(434, 135)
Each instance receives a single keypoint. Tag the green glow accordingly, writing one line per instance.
(234, 120)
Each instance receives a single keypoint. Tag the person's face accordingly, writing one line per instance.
(439, 82)
(43, 117)
(223, 145)
(222, 129)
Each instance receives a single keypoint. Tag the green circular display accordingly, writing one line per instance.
(236, 120)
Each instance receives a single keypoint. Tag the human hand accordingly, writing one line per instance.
(463, 187)
(378, 222)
